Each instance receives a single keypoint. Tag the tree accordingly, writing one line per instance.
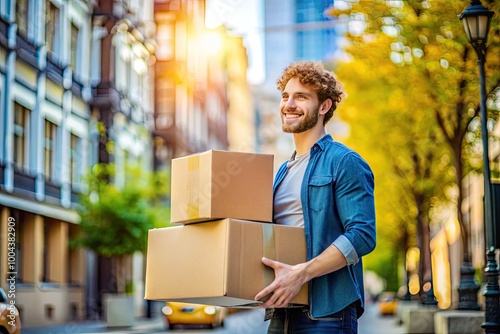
(115, 220)
(399, 143)
(420, 87)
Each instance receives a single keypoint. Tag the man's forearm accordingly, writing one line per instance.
(330, 260)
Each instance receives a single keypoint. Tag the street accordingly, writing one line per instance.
(248, 322)
(373, 323)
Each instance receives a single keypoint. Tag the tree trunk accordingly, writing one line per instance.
(464, 231)
(119, 274)
(123, 273)
(423, 240)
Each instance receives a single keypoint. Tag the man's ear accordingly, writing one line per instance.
(325, 106)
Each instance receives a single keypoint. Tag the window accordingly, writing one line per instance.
(313, 44)
(51, 26)
(76, 160)
(165, 103)
(74, 48)
(22, 17)
(165, 37)
(21, 136)
(50, 149)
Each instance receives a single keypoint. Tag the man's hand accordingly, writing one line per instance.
(288, 279)
(287, 282)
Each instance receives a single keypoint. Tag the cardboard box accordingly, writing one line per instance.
(219, 262)
(219, 184)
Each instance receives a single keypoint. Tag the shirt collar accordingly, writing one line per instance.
(324, 141)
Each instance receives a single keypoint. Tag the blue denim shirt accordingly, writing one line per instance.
(337, 199)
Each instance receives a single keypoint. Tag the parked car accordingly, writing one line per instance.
(10, 322)
(193, 314)
(387, 303)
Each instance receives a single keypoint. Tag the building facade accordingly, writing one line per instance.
(98, 81)
(75, 89)
(192, 102)
(45, 90)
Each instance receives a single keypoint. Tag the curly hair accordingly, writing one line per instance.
(314, 75)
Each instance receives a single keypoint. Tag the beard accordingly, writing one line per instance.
(309, 121)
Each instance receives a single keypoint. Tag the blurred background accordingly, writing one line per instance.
(98, 96)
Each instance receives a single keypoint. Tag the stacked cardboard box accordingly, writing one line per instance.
(223, 203)
(219, 184)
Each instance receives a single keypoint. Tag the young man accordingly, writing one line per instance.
(328, 189)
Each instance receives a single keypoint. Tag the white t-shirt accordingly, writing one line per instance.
(287, 203)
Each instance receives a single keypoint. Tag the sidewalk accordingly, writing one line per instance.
(141, 325)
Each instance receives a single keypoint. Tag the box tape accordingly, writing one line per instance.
(193, 184)
(269, 250)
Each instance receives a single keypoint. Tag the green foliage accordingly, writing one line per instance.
(383, 261)
(115, 220)
(412, 108)
(129, 287)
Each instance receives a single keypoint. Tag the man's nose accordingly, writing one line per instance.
(290, 103)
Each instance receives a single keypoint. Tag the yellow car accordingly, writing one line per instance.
(10, 323)
(387, 303)
(193, 314)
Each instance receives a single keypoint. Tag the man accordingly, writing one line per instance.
(328, 189)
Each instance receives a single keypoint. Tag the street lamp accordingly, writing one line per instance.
(476, 20)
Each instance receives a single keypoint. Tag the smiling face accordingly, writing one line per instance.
(300, 108)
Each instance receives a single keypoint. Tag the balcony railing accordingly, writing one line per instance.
(26, 51)
(52, 190)
(25, 182)
(2, 173)
(54, 70)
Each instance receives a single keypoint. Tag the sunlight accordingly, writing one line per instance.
(213, 43)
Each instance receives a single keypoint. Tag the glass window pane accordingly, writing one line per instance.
(50, 149)
(76, 160)
(482, 25)
(51, 25)
(74, 47)
(472, 23)
(465, 22)
(21, 133)
(22, 16)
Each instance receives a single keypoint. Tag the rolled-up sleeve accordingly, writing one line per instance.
(347, 249)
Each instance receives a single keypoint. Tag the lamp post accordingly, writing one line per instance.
(476, 20)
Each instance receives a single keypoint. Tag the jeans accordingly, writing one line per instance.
(299, 321)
